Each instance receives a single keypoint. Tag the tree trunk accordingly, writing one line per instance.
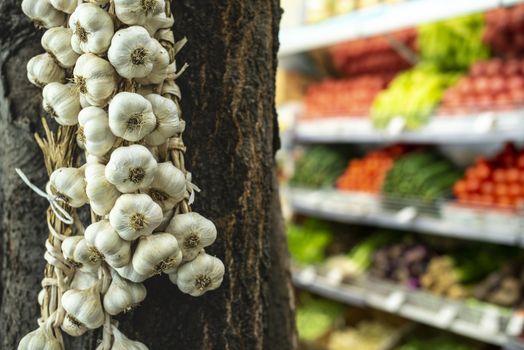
(232, 136)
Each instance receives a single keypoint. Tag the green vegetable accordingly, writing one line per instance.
(307, 243)
(315, 317)
(362, 254)
(438, 343)
(319, 167)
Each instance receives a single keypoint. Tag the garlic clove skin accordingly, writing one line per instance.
(193, 232)
(160, 64)
(39, 339)
(68, 184)
(123, 295)
(91, 159)
(95, 79)
(201, 275)
(156, 254)
(42, 70)
(131, 168)
(67, 6)
(167, 115)
(84, 307)
(121, 342)
(149, 14)
(98, 2)
(78, 254)
(72, 327)
(41, 296)
(131, 116)
(132, 52)
(83, 280)
(92, 28)
(168, 215)
(57, 42)
(94, 131)
(62, 103)
(106, 244)
(43, 14)
(129, 273)
(135, 215)
(101, 193)
(168, 187)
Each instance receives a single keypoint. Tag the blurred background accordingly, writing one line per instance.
(402, 172)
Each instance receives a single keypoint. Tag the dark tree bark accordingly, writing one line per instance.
(232, 136)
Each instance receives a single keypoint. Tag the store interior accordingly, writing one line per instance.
(402, 172)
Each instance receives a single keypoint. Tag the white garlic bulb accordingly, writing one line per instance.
(108, 244)
(94, 133)
(101, 193)
(72, 327)
(168, 187)
(67, 6)
(62, 103)
(91, 159)
(42, 70)
(157, 253)
(193, 232)
(95, 79)
(39, 339)
(68, 184)
(129, 273)
(83, 280)
(84, 307)
(80, 255)
(57, 42)
(149, 14)
(167, 115)
(168, 215)
(203, 274)
(43, 14)
(131, 116)
(92, 28)
(123, 295)
(121, 342)
(160, 64)
(132, 52)
(135, 215)
(131, 168)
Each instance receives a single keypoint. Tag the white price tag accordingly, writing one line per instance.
(394, 301)
(335, 276)
(406, 215)
(446, 315)
(396, 126)
(515, 325)
(307, 275)
(490, 321)
(485, 123)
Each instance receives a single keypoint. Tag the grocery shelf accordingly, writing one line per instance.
(378, 20)
(486, 323)
(492, 127)
(358, 208)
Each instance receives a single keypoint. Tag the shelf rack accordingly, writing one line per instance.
(378, 20)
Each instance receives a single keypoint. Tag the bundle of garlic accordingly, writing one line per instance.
(108, 79)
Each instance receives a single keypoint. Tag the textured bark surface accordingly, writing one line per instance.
(232, 136)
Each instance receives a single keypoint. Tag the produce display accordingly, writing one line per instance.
(318, 167)
(453, 44)
(366, 335)
(504, 31)
(307, 242)
(315, 317)
(413, 95)
(504, 287)
(368, 173)
(435, 343)
(319, 10)
(490, 85)
(495, 182)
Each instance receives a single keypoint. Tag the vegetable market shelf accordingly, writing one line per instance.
(449, 220)
(486, 323)
(378, 20)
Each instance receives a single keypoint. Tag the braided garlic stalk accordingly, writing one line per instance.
(108, 78)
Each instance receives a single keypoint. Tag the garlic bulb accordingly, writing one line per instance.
(123, 295)
(95, 79)
(157, 253)
(193, 232)
(160, 63)
(83, 280)
(67, 6)
(39, 339)
(101, 193)
(131, 168)
(167, 115)
(168, 187)
(203, 274)
(107, 244)
(80, 255)
(43, 14)
(84, 307)
(92, 28)
(121, 342)
(135, 215)
(132, 52)
(129, 273)
(94, 132)
(62, 103)
(91, 159)
(149, 14)
(168, 215)
(42, 70)
(57, 42)
(68, 184)
(72, 327)
(131, 116)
